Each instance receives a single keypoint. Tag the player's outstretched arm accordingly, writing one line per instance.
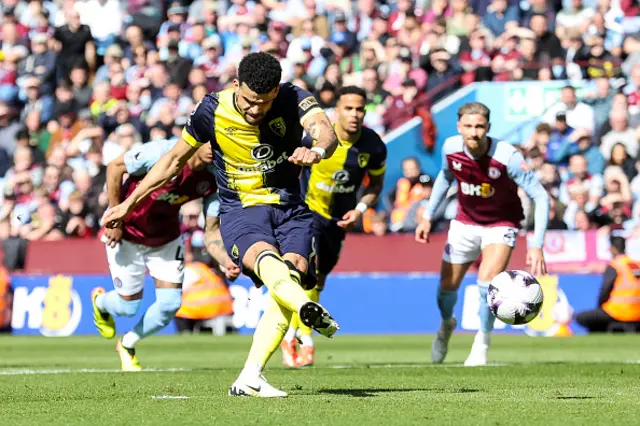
(115, 171)
(319, 128)
(215, 247)
(160, 174)
(527, 180)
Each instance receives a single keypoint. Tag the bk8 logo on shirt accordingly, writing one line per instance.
(484, 190)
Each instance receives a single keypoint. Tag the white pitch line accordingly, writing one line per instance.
(169, 397)
(27, 371)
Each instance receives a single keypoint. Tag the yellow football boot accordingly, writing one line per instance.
(128, 358)
(104, 321)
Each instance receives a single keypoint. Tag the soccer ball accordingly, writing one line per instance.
(515, 297)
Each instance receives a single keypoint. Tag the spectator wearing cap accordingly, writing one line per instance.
(40, 63)
(113, 54)
(559, 140)
(177, 67)
(212, 62)
(341, 34)
(35, 101)
(176, 14)
(75, 44)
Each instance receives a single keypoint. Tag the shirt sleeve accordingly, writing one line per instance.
(378, 162)
(141, 159)
(199, 128)
(527, 180)
(307, 104)
(212, 205)
(307, 141)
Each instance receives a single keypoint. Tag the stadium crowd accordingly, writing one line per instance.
(83, 81)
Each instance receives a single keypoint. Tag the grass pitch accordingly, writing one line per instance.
(358, 380)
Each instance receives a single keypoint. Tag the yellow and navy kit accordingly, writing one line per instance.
(252, 166)
(331, 186)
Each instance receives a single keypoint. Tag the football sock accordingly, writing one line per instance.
(275, 274)
(305, 332)
(486, 316)
(291, 332)
(267, 336)
(157, 317)
(112, 303)
(446, 302)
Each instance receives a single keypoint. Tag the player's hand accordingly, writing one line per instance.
(232, 271)
(535, 260)
(115, 216)
(303, 156)
(423, 230)
(349, 219)
(112, 236)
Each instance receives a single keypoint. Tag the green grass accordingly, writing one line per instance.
(358, 380)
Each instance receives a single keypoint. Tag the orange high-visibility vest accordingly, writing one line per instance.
(5, 298)
(208, 297)
(406, 196)
(624, 301)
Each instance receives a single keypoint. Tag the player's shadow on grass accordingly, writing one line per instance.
(373, 392)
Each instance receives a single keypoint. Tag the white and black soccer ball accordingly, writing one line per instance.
(515, 297)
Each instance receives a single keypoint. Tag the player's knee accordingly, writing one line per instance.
(128, 308)
(169, 300)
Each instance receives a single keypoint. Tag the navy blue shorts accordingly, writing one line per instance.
(329, 239)
(287, 228)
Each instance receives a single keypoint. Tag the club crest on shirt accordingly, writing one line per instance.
(363, 159)
(494, 173)
(235, 253)
(278, 126)
(203, 187)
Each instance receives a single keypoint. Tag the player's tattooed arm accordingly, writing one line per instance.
(215, 247)
(320, 129)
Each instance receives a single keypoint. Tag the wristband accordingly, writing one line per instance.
(320, 151)
(362, 207)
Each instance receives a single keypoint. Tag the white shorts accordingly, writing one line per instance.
(465, 242)
(128, 263)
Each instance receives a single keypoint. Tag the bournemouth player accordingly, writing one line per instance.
(331, 188)
(150, 239)
(255, 130)
(488, 173)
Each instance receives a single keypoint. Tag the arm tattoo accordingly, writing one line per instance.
(320, 129)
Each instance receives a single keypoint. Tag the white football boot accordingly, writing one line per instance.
(479, 349)
(254, 386)
(440, 345)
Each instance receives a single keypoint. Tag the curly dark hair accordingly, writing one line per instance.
(352, 90)
(260, 71)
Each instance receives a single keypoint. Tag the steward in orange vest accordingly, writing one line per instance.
(6, 300)
(407, 192)
(205, 295)
(619, 299)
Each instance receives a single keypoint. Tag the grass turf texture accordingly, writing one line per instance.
(357, 380)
